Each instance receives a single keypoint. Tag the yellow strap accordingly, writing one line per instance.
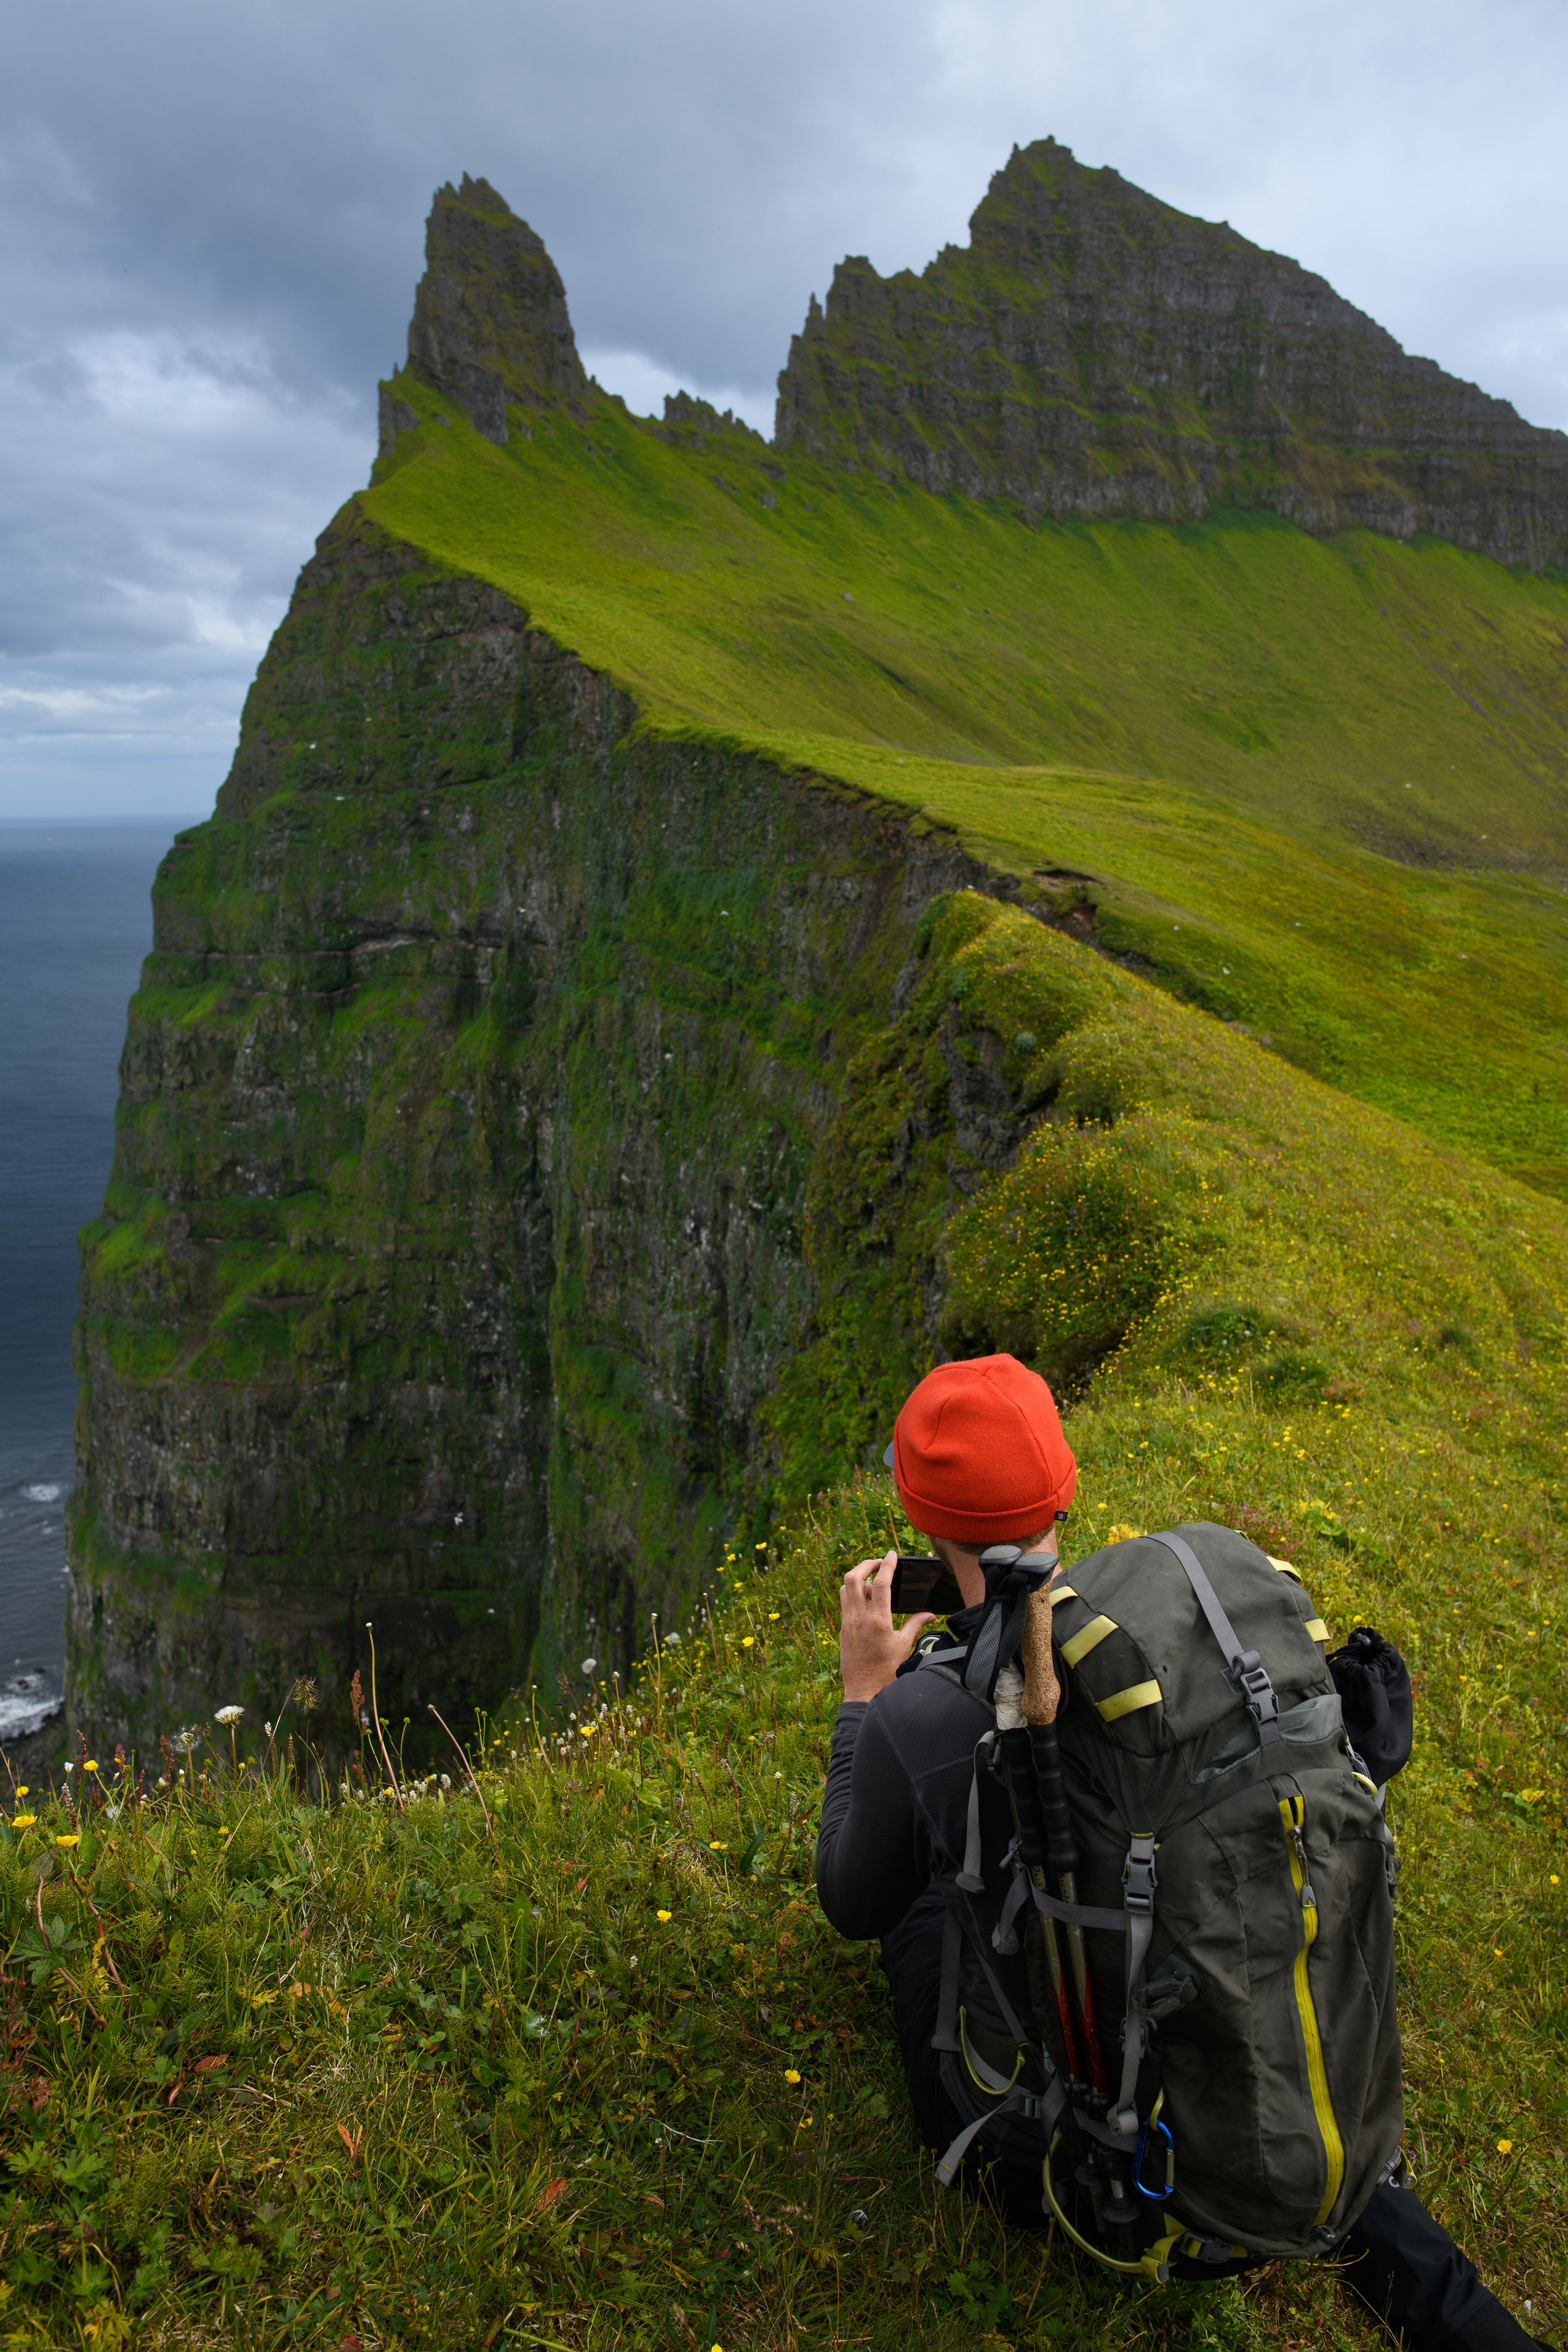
(1128, 1702)
(1284, 1567)
(1317, 1629)
(1293, 1815)
(1087, 1638)
(1061, 1592)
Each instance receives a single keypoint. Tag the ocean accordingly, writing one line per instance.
(75, 923)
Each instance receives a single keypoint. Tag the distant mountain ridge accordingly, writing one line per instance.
(1091, 352)
(1094, 352)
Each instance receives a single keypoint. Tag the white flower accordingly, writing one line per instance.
(227, 1715)
(589, 1665)
(672, 1641)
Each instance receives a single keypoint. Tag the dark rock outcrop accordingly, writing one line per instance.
(491, 324)
(1093, 351)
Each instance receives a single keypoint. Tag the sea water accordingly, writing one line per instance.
(75, 923)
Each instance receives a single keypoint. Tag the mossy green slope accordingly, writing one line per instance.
(1318, 786)
(575, 2061)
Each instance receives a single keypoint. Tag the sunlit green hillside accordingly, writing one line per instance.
(1321, 787)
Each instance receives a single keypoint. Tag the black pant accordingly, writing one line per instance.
(1396, 2259)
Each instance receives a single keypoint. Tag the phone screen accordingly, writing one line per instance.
(925, 1583)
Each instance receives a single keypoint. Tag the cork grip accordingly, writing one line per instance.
(1040, 1694)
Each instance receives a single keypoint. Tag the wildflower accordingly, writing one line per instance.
(23, 1820)
(67, 1841)
(22, 1789)
(66, 1767)
(773, 1616)
(664, 1918)
(792, 2075)
(1555, 1878)
(589, 1729)
(228, 1714)
(749, 1642)
(589, 1665)
(717, 1845)
(672, 1641)
(1505, 2147)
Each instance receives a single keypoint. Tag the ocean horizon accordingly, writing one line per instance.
(75, 923)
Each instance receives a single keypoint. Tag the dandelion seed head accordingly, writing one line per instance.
(228, 1714)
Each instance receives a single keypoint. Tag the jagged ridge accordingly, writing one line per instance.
(1094, 352)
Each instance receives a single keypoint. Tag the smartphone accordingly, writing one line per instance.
(924, 1583)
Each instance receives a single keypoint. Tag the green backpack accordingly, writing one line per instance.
(1233, 1903)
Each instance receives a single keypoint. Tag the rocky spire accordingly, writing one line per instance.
(1094, 352)
(490, 322)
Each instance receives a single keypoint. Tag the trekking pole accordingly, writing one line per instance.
(1042, 1697)
(1018, 1770)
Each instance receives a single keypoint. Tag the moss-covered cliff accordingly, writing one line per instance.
(466, 1117)
(543, 1121)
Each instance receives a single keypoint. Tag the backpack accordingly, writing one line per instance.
(1231, 1918)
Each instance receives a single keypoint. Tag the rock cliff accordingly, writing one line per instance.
(467, 1113)
(1093, 351)
(506, 1111)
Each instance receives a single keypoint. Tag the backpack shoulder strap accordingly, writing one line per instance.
(1247, 1671)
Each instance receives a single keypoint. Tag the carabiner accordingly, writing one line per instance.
(1140, 2155)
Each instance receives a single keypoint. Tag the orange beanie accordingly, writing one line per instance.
(978, 1453)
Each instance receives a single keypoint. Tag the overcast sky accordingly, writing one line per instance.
(214, 225)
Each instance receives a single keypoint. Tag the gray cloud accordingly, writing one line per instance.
(216, 223)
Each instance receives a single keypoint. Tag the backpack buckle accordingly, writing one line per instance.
(1139, 1876)
(1251, 1679)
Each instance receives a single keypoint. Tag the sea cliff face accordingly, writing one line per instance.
(1094, 352)
(467, 1112)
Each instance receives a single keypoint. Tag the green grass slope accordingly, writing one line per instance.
(581, 2065)
(1319, 787)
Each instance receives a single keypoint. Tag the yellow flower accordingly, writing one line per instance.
(773, 1616)
(589, 1729)
(749, 1642)
(1121, 1532)
(1497, 1951)
(67, 1841)
(664, 1918)
(792, 2075)
(25, 1821)
(1555, 1878)
(1505, 2147)
(22, 1789)
(91, 1764)
(717, 1845)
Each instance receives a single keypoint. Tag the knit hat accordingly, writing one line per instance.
(978, 1453)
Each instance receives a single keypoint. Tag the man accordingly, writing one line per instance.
(979, 1459)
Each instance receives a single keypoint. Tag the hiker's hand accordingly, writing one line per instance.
(872, 1649)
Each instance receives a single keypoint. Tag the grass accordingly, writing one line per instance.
(1317, 786)
(573, 2060)
(343, 2071)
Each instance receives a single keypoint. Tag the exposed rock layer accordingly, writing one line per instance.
(1093, 351)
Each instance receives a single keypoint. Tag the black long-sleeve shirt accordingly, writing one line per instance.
(896, 1806)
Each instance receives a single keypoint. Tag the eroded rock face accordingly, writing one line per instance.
(490, 323)
(467, 1109)
(1093, 351)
